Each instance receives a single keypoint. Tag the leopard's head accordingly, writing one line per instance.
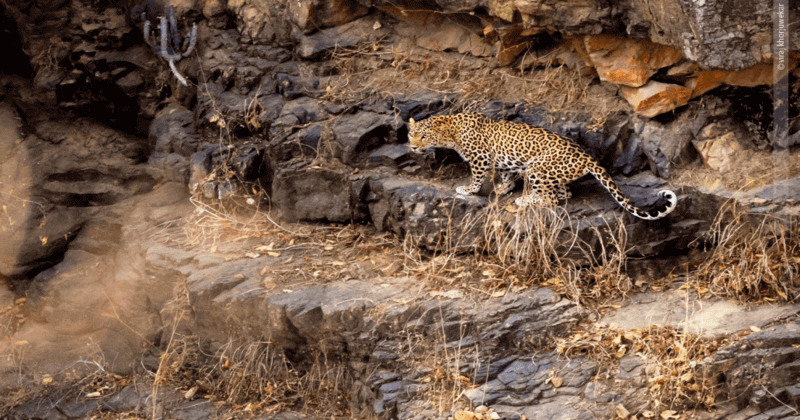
(430, 133)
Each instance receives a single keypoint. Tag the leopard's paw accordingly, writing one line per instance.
(462, 191)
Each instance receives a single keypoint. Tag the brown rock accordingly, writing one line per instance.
(656, 98)
(720, 152)
(759, 74)
(628, 62)
(312, 14)
(571, 53)
(451, 36)
(705, 81)
(213, 8)
(685, 68)
(436, 32)
(513, 42)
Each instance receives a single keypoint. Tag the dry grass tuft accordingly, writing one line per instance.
(438, 366)
(12, 316)
(256, 377)
(538, 245)
(754, 257)
(228, 221)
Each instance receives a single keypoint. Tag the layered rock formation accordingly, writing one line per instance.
(302, 106)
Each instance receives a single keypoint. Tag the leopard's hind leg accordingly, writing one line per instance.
(539, 190)
(508, 178)
(562, 193)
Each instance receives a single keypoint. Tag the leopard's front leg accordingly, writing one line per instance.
(479, 168)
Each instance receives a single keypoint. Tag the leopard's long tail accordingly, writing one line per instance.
(654, 213)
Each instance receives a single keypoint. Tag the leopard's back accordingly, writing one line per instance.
(521, 147)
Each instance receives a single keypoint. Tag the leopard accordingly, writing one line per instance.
(547, 161)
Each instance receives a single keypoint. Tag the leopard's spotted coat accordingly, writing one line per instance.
(549, 161)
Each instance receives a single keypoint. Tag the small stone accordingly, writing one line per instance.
(720, 152)
(621, 411)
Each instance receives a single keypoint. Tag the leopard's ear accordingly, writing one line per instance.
(411, 121)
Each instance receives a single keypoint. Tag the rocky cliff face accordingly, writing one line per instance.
(302, 107)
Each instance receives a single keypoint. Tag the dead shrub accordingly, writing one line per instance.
(754, 257)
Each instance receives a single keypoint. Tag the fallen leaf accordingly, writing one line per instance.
(557, 381)
(648, 414)
(753, 328)
(252, 255)
(94, 394)
(47, 380)
(274, 254)
(669, 414)
(621, 411)
(553, 281)
(464, 415)
(190, 393)
(621, 351)
(43, 239)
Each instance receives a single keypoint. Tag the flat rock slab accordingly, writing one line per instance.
(711, 318)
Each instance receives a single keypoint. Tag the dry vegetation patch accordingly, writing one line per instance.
(754, 258)
(526, 247)
(389, 69)
(676, 372)
(254, 377)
